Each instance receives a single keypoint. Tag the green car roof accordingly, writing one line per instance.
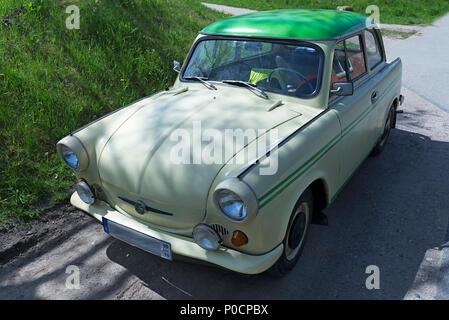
(301, 24)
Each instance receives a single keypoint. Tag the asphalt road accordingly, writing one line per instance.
(426, 61)
(393, 214)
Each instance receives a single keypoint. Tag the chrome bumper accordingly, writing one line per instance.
(224, 257)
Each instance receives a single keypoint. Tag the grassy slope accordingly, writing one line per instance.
(54, 80)
(391, 11)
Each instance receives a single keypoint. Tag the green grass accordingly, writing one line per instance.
(54, 80)
(391, 11)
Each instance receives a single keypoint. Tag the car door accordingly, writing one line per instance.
(381, 79)
(358, 123)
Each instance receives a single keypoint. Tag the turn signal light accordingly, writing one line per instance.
(239, 238)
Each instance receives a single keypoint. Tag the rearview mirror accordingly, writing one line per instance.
(342, 89)
(253, 46)
(177, 66)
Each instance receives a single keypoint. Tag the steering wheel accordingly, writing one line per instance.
(282, 82)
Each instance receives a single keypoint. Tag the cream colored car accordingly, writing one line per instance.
(313, 90)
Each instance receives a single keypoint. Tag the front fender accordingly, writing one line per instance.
(307, 156)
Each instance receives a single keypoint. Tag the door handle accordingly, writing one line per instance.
(374, 96)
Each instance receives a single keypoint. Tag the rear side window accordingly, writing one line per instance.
(373, 53)
(355, 62)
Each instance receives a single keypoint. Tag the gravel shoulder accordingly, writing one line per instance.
(53, 225)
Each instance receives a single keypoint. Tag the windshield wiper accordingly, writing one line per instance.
(203, 80)
(247, 84)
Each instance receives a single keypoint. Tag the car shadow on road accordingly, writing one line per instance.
(389, 214)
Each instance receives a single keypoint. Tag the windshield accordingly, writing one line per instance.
(283, 68)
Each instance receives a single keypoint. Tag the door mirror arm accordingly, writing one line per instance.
(342, 89)
(336, 91)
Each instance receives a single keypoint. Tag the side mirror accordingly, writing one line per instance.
(177, 66)
(342, 89)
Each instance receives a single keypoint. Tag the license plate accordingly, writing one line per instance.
(137, 239)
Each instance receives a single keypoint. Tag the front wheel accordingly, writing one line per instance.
(296, 235)
(383, 140)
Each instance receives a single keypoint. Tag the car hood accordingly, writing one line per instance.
(139, 163)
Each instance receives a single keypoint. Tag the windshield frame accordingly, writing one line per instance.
(262, 39)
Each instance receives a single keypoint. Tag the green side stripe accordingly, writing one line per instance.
(360, 119)
(349, 178)
(294, 172)
(295, 178)
(344, 132)
(314, 158)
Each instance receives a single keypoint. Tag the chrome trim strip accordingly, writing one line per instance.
(147, 208)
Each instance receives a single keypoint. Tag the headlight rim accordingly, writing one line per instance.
(77, 147)
(244, 192)
(64, 158)
(208, 228)
(219, 204)
(88, 188)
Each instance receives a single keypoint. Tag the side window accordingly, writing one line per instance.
(373, 53)
(355, 63)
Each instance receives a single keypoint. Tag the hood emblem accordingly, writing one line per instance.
(141, 207)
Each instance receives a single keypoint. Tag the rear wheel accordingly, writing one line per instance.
(387, 128)
(296, 235)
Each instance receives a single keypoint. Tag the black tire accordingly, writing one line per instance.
(389, 124)
(296, 235)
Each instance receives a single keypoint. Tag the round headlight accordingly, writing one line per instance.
(206, 237)
(72, 152)
(236, 200)
(70, 157)
(231, 205)
(85, 192)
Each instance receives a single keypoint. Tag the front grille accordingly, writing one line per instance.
(220, 229)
